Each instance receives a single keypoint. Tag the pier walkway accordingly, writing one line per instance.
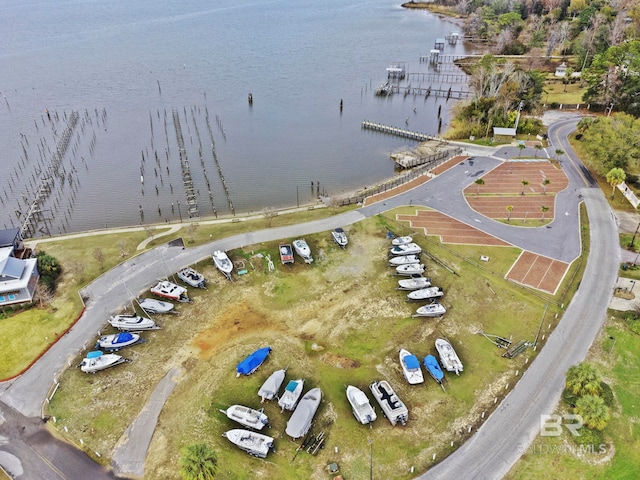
(379, 127)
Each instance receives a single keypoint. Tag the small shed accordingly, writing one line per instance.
(561, 70)
(507, 132)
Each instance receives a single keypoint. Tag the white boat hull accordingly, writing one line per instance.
(431, 310)
(404, 260)
(448, 356)
(192, 278)
(410, 269)
(302, 249)
(130, 323)
(426, 293)
(93, 365)
(414, 283)
(247, 417)
(291, 394)
(170, 291)
(407, 249)
(340, 237)
(253, 443)
(411, 367)
(360, 406)
(391, 405)
(151, 305)
(401, 240)
(222, 262)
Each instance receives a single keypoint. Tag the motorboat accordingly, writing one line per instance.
(252, 362)
(448, 356)
(286, 253)
(391, 405)
(431, 310)
(340, 237)
(433, 367)
(192, 277)
(302, 249)
(116, 341)
(151, 305)
(401, 240)
(271, 386)
(411, 367)
(360, 406)
(300, 421)
(425, 293)
(96, 361)
(246, 416)
(406, 249)
(222, 262)
(170, 291)
(416, 282)
(130, 322)
(410, 268)
(253, 443)
(291, 394)
(403, 260)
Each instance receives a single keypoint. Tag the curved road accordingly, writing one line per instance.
(568, 345)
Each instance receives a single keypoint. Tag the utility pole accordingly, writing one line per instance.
(633, 239)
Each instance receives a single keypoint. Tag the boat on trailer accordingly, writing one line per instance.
(340, 237)
(410, 367)
(301, 418)
(391, 405)
(286, 253)
(253, 443)
(405, 249)
(302, 249)
(222, 262)
(425, 293)
(170, 291)
(448, 356)
(401, 240)
(271, 386)
(410, 269)
(360, 406)
(130, 322)
(433, 367)
(416, 282)
(192, 277)
(151, 305)
(252, 362)
(431, 310)
(291, 394)
(116, 341)
(247, 417)
(403, 260)
(96, 361)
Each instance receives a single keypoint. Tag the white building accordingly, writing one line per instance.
(18, 276)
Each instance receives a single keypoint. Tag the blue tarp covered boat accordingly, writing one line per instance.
(433, 367)
(252, 362)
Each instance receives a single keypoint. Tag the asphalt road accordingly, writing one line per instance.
(24, 396)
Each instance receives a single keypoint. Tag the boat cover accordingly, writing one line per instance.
(412, 362)
(291, 386)
(123, 337)
(94, 354)
(253, 361)
(433, 366)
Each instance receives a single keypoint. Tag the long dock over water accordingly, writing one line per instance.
(379, 127)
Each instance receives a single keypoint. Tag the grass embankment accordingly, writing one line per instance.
(336, 322)
(616, 353)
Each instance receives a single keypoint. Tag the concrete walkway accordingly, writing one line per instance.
(131, 450)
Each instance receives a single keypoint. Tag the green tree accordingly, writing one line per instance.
(509, 210)
(583, 379)
(545, 182)
(479, 182)
(538, 147)
(521, 147)
(524, 185)
(559, 153)
(595, 414)
(198, 462)
(544, 209)
(614, 178)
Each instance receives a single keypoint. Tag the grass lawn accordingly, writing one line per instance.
(336, 322)
(557, 92)
(619, 363)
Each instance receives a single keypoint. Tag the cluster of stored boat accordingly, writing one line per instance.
(302, 249)
(130, 324)
(405, 258)
(303, 407)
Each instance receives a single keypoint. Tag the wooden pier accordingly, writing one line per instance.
(192, 203)
(379, 127)
(428, 91)
(447, 78)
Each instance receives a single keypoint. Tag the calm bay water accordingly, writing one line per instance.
(126, 66)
